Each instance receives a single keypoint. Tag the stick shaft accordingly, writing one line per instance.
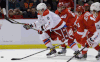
(76, 54)
(37, 52)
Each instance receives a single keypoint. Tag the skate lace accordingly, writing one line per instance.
(51, 50)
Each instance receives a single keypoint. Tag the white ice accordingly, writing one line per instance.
(41, 57)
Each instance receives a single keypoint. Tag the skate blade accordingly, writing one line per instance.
(61, 54)
(98, 58)
(83, 59)
(51, 56)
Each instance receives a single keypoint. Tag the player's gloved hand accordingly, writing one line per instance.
(74, 28)
(28, 26)
(40, 32)
(90, 42)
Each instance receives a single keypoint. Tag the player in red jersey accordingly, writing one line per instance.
(68, 3)
(69, 17)
(85, 30)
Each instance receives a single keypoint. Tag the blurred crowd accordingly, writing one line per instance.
(27, 8)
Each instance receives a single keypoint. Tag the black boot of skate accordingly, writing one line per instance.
(81, 56)
(98, 56)
(76, 53)
(62, 52)
(52, 53)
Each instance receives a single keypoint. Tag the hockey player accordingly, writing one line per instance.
(48, 22)
(85, 30)
(95, 9)
(87, 7)
(68, 3)
(69, 18)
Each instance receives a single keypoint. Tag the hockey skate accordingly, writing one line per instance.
(81, 56)
(76, 52)
(52, 53)
(62, 52)
(98, 56)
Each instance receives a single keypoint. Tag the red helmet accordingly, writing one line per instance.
(80, 8)
(86, 4)
(60, 4)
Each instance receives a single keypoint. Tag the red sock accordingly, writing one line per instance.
(97, 47)
(84, 52)
(63, 45)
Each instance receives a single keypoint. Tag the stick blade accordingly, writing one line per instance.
(16, 59)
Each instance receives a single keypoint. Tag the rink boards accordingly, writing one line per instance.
(14, 36)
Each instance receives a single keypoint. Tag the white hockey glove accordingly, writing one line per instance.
(90, 41)
(28, 26)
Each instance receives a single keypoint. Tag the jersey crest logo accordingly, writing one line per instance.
(64, 16)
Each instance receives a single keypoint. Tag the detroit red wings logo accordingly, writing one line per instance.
(64, 16)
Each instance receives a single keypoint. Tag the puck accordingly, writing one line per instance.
(2, 57)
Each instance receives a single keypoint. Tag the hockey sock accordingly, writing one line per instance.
(47, 42)
(97, 47)
(74, 46)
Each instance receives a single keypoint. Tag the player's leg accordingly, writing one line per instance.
(81, 41)
(45, 38)
(97, 48)
(61, 38)
(83, 54)
(72, 44)
(95, 44)
(63, 48)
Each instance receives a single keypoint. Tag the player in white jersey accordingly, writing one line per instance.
(95, 9)
(47, 22)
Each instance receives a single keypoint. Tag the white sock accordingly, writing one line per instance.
(49, 45)
(75, 48)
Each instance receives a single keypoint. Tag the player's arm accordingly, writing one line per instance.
(36, 25)
(92, 29)
(49, 24)
(70, 14)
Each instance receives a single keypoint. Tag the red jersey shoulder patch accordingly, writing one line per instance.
(46, 12)
(57, 12)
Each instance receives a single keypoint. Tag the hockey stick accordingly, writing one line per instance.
(77, 53)
(9, 19)
(35, 53)
(13, 21)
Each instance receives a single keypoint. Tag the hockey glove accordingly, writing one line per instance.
(90, 42)
(28, 26)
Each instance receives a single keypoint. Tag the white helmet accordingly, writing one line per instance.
(41, 6)
(95, 6)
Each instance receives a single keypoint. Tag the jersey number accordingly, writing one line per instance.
(78, 25)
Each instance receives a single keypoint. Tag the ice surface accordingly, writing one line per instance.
(41, 57)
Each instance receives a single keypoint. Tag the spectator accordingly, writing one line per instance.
(69, 4)
(11, 13)
(82, 2)
(17, 13)
(1, 13)
(96, 0)
(35, 2)
(17, 4)
(90, 2)
(45, 1)
(22, 7)
(54, 3)
(27, 13)
(11, 4)
(49, 6)
(33, 13)
(27, 4)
